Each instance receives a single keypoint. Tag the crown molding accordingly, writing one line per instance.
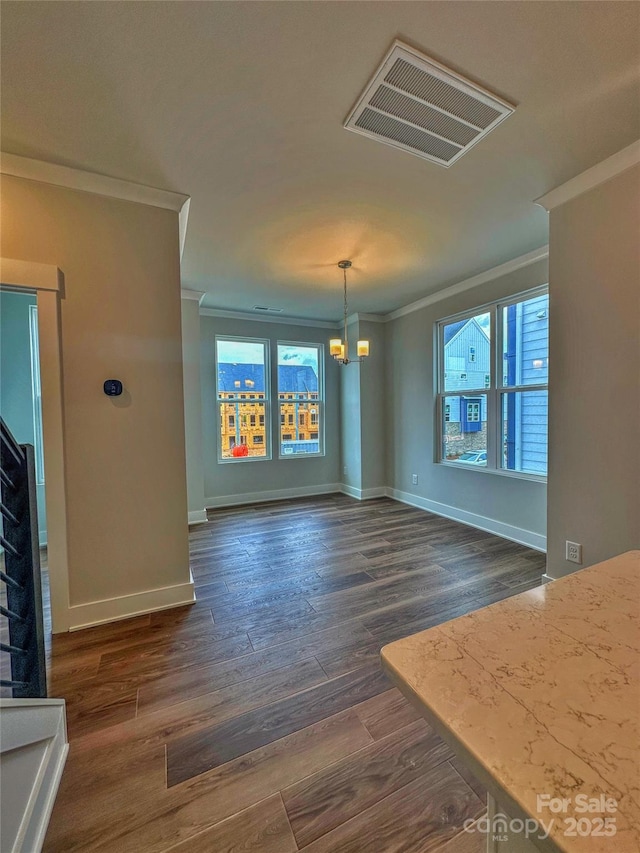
(593, 177)
(285, 321)
(475, 281)
(92, 182)
(195, 295)
(373, 318)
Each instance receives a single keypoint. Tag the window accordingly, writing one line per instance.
(493, 415)
(242, 363)
(258, 439)
(473, 411)
(300, 384)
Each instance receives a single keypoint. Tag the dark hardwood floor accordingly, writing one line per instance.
(259, 719)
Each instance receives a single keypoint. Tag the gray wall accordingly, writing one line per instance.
(192, 404)
(16, 395)
(410, 406)
(351, 417)
(373, 404)
(231, 479)
(594, 456)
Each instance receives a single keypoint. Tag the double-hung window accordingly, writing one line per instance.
(301, 399)
(493, 367)
(242, 392)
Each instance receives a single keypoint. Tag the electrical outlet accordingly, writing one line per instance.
(414, 479)
(573, 552)
(344, 470)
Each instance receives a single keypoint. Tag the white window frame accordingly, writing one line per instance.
(36, 393)
(263, 400)
(293, 398)
(493, 393)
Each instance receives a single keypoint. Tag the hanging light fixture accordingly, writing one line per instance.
(340, 349)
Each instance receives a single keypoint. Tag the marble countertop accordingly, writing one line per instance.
(540, 694)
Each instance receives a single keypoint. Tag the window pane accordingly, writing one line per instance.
(467, 356)
(300, 434)
(241, 369)
(299, 390)
(524, 419)
(525, 342)
(464, 430)
(242, 429)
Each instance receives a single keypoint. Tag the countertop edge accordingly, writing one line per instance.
(482, 773)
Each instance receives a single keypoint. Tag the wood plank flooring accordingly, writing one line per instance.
(259, 719)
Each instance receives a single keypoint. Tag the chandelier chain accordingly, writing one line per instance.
(346, 308)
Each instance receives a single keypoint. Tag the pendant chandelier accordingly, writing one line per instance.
(338, 348)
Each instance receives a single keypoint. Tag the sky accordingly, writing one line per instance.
(246, 352)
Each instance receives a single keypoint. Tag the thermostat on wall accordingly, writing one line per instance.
(113, 387)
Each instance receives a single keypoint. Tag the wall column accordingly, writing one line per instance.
(193, 405)
(594, 466)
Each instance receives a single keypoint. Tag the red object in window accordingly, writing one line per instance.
(240, 450)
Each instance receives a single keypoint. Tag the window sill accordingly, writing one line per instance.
(300, 456)
(500, 472)
(237, 459)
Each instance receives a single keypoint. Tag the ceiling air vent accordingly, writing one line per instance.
(267, 309)
(416, 104)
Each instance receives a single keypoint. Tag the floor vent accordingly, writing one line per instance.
(416, 104)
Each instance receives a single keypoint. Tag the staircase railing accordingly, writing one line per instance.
(21, 573)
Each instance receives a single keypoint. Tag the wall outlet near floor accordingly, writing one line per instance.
(414, 479)
(573, 552)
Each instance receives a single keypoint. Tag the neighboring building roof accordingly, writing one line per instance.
(296, 377)
(451, 330)
(292, 378)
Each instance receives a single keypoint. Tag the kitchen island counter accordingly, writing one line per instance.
(540, 695)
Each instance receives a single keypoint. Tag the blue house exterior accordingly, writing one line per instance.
(467, 354)
(526, 337)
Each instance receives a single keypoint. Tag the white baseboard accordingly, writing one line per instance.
(125, 606)
(363, 494)
(272, 495)
(198, 516)
(547, 579)
(490, 525)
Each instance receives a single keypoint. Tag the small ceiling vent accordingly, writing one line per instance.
(416, 104)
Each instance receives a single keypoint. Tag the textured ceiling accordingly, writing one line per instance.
(241, 105)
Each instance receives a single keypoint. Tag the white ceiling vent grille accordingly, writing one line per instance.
(416, 104)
